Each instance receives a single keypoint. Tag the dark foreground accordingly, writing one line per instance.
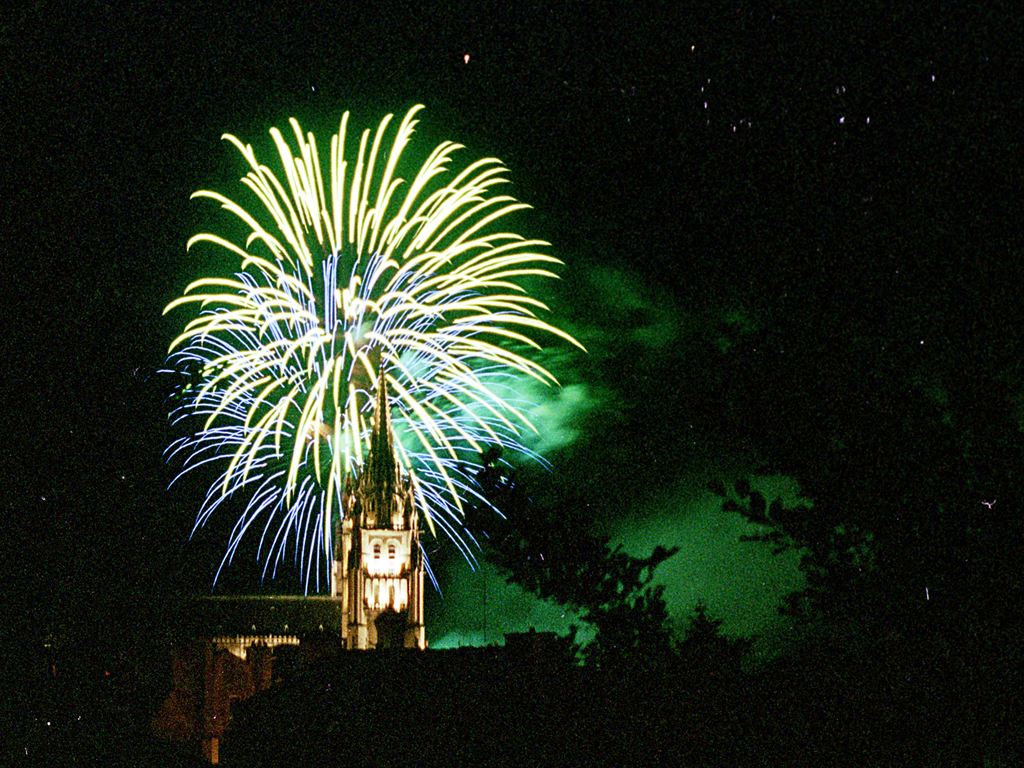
(492, 707)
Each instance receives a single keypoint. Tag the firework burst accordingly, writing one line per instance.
(344, 280)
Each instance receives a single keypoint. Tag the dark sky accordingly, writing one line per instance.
(697, 166)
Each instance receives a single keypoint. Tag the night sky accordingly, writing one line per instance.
(703, 170)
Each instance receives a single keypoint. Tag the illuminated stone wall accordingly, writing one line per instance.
(378, 568)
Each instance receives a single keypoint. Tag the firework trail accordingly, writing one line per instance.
(342, 280)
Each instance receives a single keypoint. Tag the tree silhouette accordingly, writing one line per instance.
(704, 652)
(912, 527)
(553, 552)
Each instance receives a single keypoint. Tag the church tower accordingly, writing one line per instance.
(377, 573)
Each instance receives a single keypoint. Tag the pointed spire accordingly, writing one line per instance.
(381, 464)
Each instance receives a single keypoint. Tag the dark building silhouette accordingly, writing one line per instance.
(239, 646)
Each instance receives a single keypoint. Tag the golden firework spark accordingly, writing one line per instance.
(344, 279)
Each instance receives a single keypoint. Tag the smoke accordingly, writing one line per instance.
(479, 608)
(741, 583)
(616, 433)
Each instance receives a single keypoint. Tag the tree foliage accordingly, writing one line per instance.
(553, 552)
(912, 524)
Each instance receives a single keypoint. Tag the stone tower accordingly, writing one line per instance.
(377, 573)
